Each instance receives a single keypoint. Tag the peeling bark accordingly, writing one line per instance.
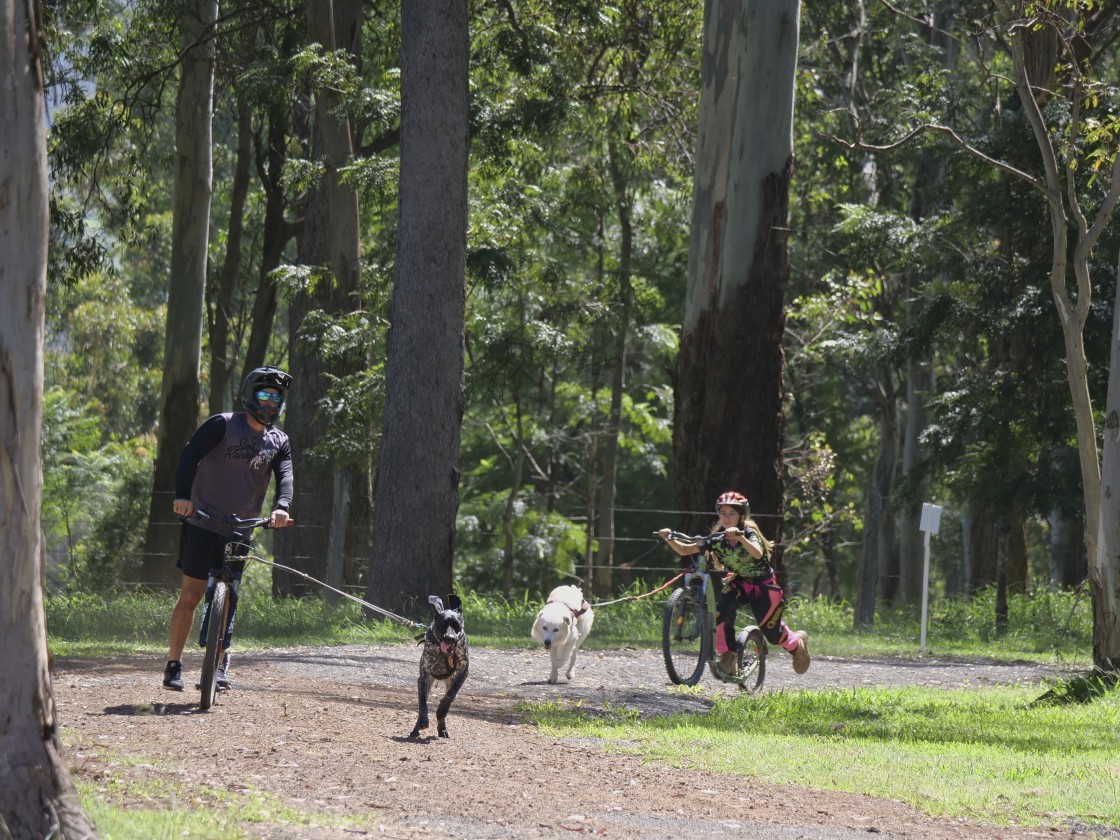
(37, 796)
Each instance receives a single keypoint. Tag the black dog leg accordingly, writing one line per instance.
(445, 703)
(422, 686)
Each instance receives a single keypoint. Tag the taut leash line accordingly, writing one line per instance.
(407, 622)
(416, 625)
(665, 585)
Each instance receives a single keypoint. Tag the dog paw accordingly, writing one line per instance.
(443, 734)
(415, 733)
(553, 680)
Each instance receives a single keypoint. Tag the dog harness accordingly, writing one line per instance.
(584, 607)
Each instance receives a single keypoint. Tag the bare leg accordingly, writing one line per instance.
(182, 616)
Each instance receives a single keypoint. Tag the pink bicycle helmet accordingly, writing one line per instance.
(735, 500)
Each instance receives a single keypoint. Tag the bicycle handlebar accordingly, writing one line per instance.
(704, 541)
(238, 527)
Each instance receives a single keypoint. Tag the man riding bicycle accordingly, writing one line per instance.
(225, 469)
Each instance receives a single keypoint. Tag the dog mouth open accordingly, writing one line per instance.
(447, 646)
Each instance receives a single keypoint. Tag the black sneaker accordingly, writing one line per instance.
(173, 675)
(223, 673)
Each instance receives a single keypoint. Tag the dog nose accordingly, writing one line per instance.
(547, 643)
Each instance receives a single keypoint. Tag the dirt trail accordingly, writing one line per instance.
(324, 730)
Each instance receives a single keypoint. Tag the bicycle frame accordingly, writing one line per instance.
(219, 609)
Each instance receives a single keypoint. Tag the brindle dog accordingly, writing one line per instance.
(444, 659)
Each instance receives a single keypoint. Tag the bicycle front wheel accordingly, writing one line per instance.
(215, 635)
(686, 636)
(752, 659)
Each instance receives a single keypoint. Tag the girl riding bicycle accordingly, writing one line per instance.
(744, 556)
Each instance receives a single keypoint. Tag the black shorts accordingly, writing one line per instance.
(201, 550)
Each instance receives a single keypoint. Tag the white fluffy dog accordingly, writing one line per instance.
(561, 626)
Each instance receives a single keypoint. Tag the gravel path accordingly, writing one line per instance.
(636, 678)
(323, 731)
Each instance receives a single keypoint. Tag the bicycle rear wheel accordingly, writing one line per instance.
(215, 635)
(686, 636)
(752, 659)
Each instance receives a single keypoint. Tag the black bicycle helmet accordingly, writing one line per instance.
(265, 377)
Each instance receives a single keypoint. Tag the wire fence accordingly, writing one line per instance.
(636, 556)
(65, 533)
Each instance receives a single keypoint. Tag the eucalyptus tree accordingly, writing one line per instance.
(859, 62)
(330, 252)
(633, 67)
(272, 82)
(1064, 81)
(1062, 78)
(37, 795)
(417, 480)
(1090, 123)
(584, 137)
(190, 237)
(919, 222)
(728, 423)
(105, 153)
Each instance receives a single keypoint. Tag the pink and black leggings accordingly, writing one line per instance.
(766, 600)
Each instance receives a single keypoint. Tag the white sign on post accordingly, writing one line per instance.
(931, 518)
(930, 523)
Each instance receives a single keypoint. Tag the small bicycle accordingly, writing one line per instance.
(220, 604)
(688, 629)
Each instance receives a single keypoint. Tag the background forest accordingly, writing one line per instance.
(924, 358)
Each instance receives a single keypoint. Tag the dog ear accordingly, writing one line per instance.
(437, 604)
(453, 603)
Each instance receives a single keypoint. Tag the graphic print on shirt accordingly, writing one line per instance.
(250, 450)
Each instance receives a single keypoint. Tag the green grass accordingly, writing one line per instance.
(1045, 627)
(991, 755)
(169, 810)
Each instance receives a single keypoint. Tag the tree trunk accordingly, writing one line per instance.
(919, 382)
(221, 304)
(276, 233)
(876, 531)
(1058, 185)
(182, 354)
(728, 424)
(418, 472)
(1002, 541)
(517, 478)
(605, 531)
(1068, 566)
(1104, 571)
(37, 796)
(957, 580)
(982, 536)
(330, 244)
(591, 473)
(336, 537)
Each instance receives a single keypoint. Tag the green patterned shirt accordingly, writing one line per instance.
(735, 557)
